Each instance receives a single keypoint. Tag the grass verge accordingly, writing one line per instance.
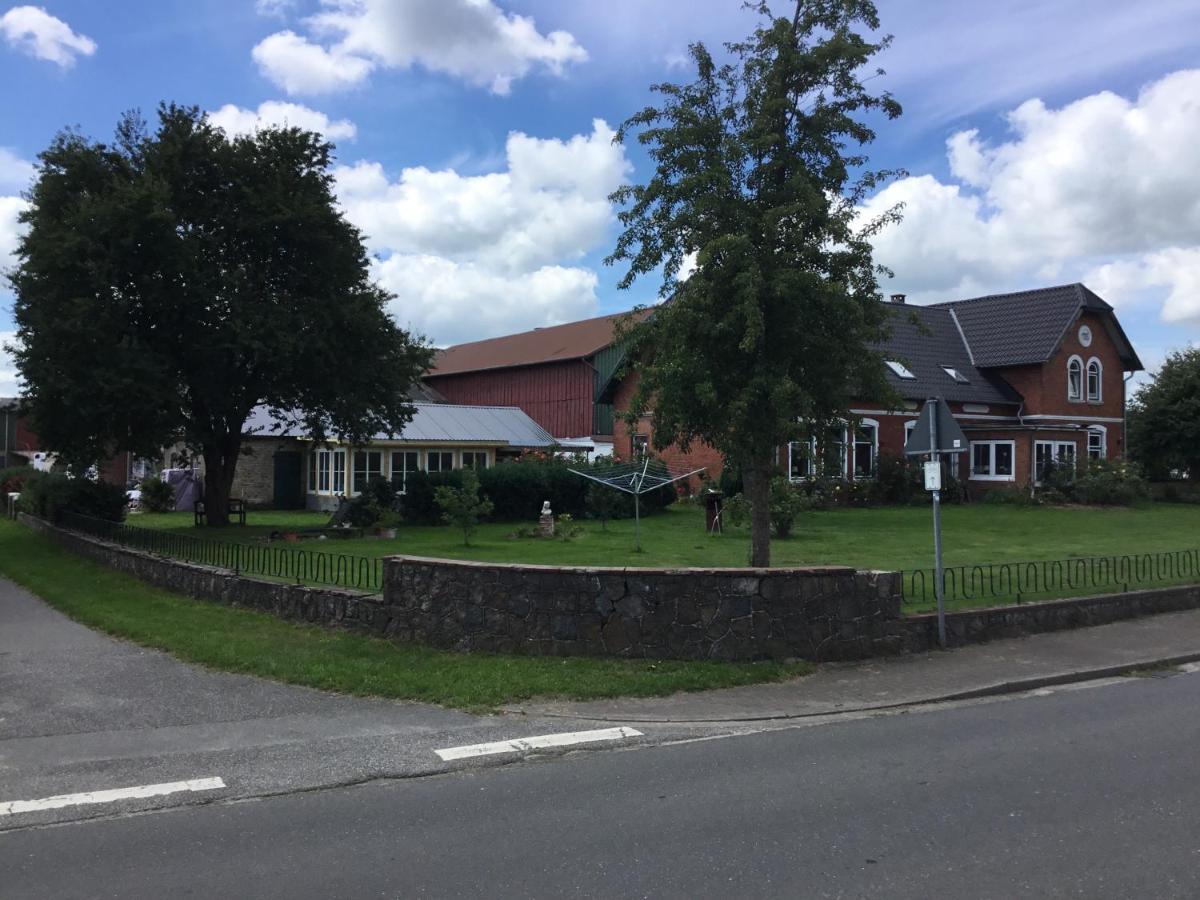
(237, 640)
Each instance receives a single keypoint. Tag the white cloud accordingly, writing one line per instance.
(9, 383)
(473, 40)
(300, 67)
(37, 33)
(16, 174)
(10, 231)
(238, 120)
(1103, 181)
(469, 256)
(277, 9)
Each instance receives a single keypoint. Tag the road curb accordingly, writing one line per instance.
(995, 689)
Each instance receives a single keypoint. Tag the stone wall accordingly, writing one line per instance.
(254, 480)
(327, 606)
(729, 614)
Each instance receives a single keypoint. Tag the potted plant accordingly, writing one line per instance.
(386, 524)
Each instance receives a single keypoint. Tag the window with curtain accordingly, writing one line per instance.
(1075, 379)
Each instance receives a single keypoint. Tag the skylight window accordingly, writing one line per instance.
(899, 369)
(956, 375)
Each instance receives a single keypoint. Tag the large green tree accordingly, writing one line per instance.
(173, 280)
(1164, 418)
(759, 174)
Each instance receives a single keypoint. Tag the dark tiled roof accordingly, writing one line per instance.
(1026, 327)
(930, 343)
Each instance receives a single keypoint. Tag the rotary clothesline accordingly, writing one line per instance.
(636, 478)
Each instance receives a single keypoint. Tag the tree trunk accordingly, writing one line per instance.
(220, 465)
(758, 490)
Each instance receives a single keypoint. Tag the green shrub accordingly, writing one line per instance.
(786, 503)
(736, 510)
(463, 507)
(1010, 496)
(375, 506)
(53, 494)
(13, 478)
(606, 503)
(157, 495)
(898, 479)
(1109, 482)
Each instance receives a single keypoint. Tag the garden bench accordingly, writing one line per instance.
(237, 507)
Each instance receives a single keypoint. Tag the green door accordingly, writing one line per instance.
(289, 485)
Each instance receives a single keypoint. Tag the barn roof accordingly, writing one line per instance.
(557, 343)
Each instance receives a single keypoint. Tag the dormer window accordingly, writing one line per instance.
(1094, 381)
(1075, 379)
(956, 374)
(899, 369)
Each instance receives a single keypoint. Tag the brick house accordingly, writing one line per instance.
(1032, 377)
(19, 445)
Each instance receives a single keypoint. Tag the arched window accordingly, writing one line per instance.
(1094, 380)
(1075, 378)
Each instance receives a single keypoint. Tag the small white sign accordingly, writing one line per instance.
(933, 476)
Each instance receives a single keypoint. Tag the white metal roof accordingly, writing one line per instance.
(440, 423)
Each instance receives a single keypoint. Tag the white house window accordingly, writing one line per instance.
(1094, 380)
(899, 369)
(327, 472)
(474, 459)
(439, 461)
(956, 374)
(1075, 378)
(992, 460)
(1097, 445)
(368, 464)
(1047, 453)
(866, 448)
(403, 462)
(800, 460)
(833, 453)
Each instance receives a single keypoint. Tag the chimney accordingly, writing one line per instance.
(898, 298)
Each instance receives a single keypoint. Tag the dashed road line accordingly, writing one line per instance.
(522, 745)
(13, 807)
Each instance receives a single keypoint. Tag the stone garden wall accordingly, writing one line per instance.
(826, 613)
(730, 614)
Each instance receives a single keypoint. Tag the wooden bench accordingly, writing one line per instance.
(237, 507)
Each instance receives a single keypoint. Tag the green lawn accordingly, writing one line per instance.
(238, 640)
(884, 538)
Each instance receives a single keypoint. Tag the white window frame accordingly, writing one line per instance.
(873, 424)
(809, 455)
(328, 466)
(1087, 374)
(1075, 396)
(1012, 476)
(1102, 433)
(900, 370)
(378, 473)
(482, 459)
(429, 454)
(404, 470)
(1056, 448)
(955, 373)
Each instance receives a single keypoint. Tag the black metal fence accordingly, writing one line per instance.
(1018, 581)
(361, 573)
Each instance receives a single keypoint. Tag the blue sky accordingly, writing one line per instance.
(1045, 142)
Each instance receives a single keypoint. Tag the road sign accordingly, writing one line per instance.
(933, 476)
(945, 431)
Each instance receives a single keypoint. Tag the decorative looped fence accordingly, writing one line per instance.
(1017, 581)
(360, 573)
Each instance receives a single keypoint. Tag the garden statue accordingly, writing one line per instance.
(546, 521)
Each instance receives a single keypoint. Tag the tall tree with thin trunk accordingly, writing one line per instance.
(170, 282)
(759, 175)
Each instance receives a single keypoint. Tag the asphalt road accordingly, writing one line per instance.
(1078, 792)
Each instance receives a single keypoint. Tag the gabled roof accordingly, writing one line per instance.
(929, 344)
(558, 343)
(439, 422)
(1027, 327)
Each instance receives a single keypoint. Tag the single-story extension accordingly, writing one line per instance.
(291, 471)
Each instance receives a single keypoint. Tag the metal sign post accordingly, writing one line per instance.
(936, 433)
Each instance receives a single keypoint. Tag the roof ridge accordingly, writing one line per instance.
(534, 330)
(1076, 286)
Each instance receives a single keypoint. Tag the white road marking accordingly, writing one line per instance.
(520, 745)
(1190, 668)
(87, 797)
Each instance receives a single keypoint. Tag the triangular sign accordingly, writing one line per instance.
(948, 436)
